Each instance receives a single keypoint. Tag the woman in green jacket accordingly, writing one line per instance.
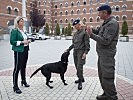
(20, 46)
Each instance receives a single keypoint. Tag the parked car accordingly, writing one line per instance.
(42, 37)
(32, 37)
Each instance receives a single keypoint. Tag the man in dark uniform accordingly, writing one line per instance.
(81, 45)
(106, 37)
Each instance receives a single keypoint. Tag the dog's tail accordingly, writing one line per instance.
(35, 72)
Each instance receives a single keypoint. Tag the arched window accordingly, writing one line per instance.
(117, 8)
(84, 20)
(61, 21)
(84, 2)
(39, 11)
(61, 5)
(117, 18)
(55, 6)
(91, 1)
(9, 10)
(55, 13)
(113, 8)
(72, 20)
(16, 11)
(78, 11)
(124, 17)
(66, 4)
(61, 13)
(66, 20)
(55, 21)
(84, 11)
(72, 4)
(72, 12)
(98, 19)
(98, 1)
(91, 19)
(78, 3)
(91, 10)
(44, 12)
(124, 7)
(66, 12)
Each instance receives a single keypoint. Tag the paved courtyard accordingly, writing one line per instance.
(50, 51)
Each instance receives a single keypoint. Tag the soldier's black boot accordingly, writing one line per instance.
(77, 81)
(80, 84)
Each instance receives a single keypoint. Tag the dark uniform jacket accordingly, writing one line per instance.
(80, 41)
(106, 37)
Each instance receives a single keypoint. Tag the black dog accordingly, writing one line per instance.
(57, 67)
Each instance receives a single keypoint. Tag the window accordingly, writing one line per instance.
(84, 20)
(61, 13)
(98, 1)
(78, 11)
(55, 6)
(124, 17)
(98, 19)
(55, 21)
(61, 21)
(55, 13)
(9, 10)
(91, 19)
(44, 12)
(72, 12)
(84, 11)
(66, 20)
(117, 8)
(117, 18)
(91, 10)
(61, 5)
(72, 4)
(78, 3)
(124, 7)
(72, 20)
(84, 2)
(113, 8)
(66, 4)
(66, 12)
(91, 1)
(16, 11)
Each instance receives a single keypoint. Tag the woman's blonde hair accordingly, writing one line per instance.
(16, 21)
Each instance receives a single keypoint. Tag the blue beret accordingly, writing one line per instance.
(76, 22)
(104, 7)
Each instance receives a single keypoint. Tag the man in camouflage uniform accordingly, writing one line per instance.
(81, 45)
(106, 37)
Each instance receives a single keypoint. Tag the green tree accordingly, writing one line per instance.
(69, 31)
(63, 31)
(124, 28)
(66, 31)
(57, 30)
(47, 29)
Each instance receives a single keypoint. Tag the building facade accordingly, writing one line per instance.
(66, 11)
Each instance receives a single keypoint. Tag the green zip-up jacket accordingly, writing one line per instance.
(14, 37)
(80, 41)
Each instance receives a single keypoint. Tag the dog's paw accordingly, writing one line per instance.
(51, 81)
(65, 84)
(51, 87)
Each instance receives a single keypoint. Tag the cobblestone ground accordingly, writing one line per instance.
(39, 91)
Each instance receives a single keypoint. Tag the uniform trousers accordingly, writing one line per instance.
(20, 61)
(106, 72)
(79, 62)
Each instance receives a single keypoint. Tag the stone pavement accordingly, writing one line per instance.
(39, 91)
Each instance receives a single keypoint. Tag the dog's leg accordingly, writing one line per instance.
(48, 80)
(62, 78)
